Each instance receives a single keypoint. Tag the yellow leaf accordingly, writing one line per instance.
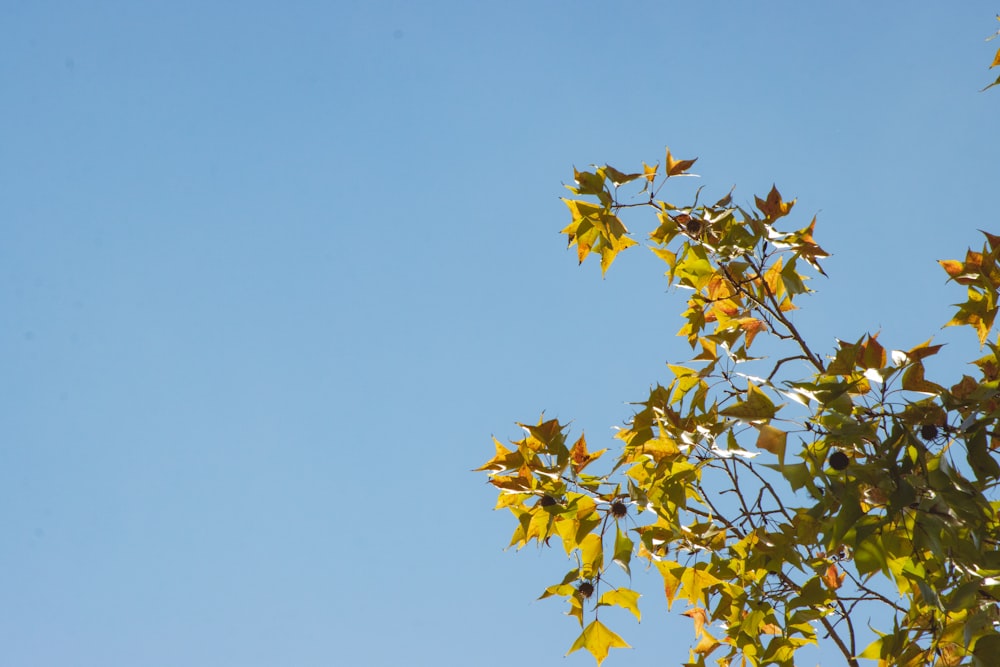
(772, 439)
(649, 172)
(671, 581)
(625, 598)
(757, 407)
(597, 639)
(505, 459)
(706, 645)
(591, 556)
(952, 266)
(695, 582)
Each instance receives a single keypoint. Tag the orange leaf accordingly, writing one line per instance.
(832, 578)
(580, 457)
(770, 629)
(700, 617)
(752, 326)
(774, 207)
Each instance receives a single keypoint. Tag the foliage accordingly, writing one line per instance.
(780, 498)
(996, 58)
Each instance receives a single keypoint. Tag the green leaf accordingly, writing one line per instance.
(623, 550)
(980, 457)
(756, 407)
(588, 183)
(987, 647)
(597, 639)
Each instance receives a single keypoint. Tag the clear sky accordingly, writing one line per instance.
(272, 274)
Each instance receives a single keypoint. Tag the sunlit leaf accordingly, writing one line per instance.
(700, 618)
(623, 550)
(588, 183)
(774, 206)
(580, 458)
(649, 172)
(625, 598)
(598, 640)
(756, 407)
(706, 645)
(677, 167)
(772, 439)
(617, 177)
(591, 556)
(833, 578)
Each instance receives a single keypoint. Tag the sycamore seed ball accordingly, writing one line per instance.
(838, 460)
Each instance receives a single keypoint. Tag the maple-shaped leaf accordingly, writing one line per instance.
(579, 457)
(913, 380)
(871, 354)
(756, 407)
(696, 583)
(833, 577)
(751, 326)
(774, 206)
(700, 618)
(678, 167)
(977, 313)
(671, 573)
(624, 598)
(706, 645)
(588, 183)
(649, 172)
(505, 459)
(598, 640)
(610, 249)
(617, 177)
(964, 273)
(807, 248)
(770, 629)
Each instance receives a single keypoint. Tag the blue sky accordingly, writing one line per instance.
(272, 274)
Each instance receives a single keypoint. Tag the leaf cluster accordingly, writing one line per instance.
(780, 498)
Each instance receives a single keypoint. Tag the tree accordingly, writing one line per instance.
(877, 486)
(887, 496)
(778, 496)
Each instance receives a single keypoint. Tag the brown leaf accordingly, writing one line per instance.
(676, 167)
(774, 207)
(580, 457)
